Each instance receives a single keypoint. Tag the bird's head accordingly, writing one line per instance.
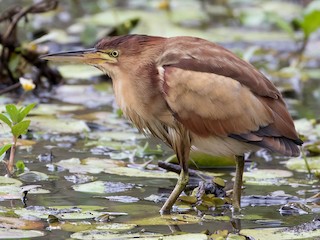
(111, 53)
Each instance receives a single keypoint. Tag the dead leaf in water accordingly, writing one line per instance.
(17, 223)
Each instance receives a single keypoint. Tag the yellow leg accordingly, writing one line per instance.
(236, 200)
(181, 144)
(181, 184)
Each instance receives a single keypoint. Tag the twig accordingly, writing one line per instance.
(10, 88)
(9, 41)
(177, 169)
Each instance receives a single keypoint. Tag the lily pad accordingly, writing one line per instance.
(100, 234)
(84, 95)
(77, 226)
(306, 127)
(137, 172)
(116, 226)
(19, 234)
(172, 219)
(267, 174)
(107, 119)
(17, 223)
(89, 165)
(103, 187)
(33, 176)
(266, 177)
(52, 109)
(116, 136)
(279, 233)
(51, 124)
(123, 199)
(216, 218)
(6, 181)
(298, 164)
(95, 165)
(15, 192)
(61, 213)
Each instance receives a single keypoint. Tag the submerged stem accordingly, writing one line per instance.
(306, 162)
(10, 163)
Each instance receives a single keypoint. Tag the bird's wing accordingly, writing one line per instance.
(225, 96)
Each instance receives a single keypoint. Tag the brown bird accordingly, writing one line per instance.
(193, 94)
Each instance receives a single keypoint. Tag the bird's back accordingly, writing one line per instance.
(215, 94)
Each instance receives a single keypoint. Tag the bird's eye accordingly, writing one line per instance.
(114, 54)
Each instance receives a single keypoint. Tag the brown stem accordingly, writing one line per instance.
(177, 169)
(11, 159)
(10, 88)
(302, 49)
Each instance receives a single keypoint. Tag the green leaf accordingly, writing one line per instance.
(20, 128)
(5, 119)
(20, 166)
(13, 112)
(24, 111)
(3, 149)
(311, 22)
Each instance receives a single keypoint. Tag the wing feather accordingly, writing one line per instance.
(210, 104)
(212, 92)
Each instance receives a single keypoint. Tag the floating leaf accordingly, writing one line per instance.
(266, 177)
(6, 181)
(19, 234)
(54, 125)
(216, 218)
(267, 174)
(188, 199)
(116, 226)
(89, 165)
(83, 94)
(103, 234)
(279, 233)
(95, 165)
(85, 226)
(17, 223)
(123, 199)
(219, 181)
(298, 164)
(52, 109)
(15, 192)
(172, 219)
(103, 187)
(33, 176)
(117, 136)
(60, 213)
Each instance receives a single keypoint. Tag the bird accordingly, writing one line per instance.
(193, 94)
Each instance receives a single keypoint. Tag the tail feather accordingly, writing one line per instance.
(282, 145)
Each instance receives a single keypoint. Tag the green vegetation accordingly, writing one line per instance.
(15, 118)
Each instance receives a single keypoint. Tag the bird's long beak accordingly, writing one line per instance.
(88, 56)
